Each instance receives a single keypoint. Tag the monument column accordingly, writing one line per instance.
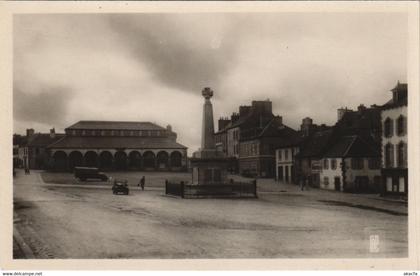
(207, 132)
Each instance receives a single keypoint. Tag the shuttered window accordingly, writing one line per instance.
(388, 127)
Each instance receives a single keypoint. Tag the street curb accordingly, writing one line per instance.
(27, 251)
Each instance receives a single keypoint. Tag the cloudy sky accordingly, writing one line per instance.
(152, 67)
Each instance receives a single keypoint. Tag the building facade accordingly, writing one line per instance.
(285, 163)
(352, 164)
(36, 153)
(250, 138)
(395, 143)
(113, 145)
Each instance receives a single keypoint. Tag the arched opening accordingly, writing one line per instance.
(176, 159)
(120, 160)
(91, 159)
(149, 160)
(60, 161)
(105, 160)
(162, 160)
(134, 160)
(75, 159)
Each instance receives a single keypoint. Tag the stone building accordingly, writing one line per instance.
(36, 154)
(112, 145)
(394, 143)
(286, 158)
(250, 137)
(351, 164)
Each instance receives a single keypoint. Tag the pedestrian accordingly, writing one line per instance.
(303, 183)
(142, 182)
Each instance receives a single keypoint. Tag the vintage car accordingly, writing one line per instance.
(120, 187)
(84, 173)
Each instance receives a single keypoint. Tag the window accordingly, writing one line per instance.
(326, 164)
(389, 184)
(401, 125)
(357, 163)
(374, 163)
(286, 154)
(388, 127)
(127, 133)
(402, 155)
(217, 175)
(280, 154)
(401, 183)
(333, 164)
(389, 156)
(107, 133)
(326, 181)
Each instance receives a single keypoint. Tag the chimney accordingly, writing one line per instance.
(262, 107)
(361, 108)
(341, 112)
(223, 122)
(52, 133)
(234, 117)
(30, 132)
(306, 126)
(244, 110)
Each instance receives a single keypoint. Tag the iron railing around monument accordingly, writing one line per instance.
(232, 189)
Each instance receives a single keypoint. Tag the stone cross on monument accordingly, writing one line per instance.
(209, 165)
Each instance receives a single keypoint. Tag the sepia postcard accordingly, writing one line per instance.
(210, 135)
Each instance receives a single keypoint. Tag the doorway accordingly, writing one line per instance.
(337, 183)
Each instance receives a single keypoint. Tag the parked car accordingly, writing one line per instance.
(120, 187)
(84, 173)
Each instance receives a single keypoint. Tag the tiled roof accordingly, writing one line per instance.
(370, 118)
(316, 144)
(354, 146)
(115, 125)
(43, 139)
(116, 142)
(292, 140)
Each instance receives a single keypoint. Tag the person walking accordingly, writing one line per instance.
(142, 182)
(303, 183)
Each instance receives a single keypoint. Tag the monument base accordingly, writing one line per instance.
(209, 167)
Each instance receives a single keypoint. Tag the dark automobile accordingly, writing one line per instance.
(84, 173)
(120, 187)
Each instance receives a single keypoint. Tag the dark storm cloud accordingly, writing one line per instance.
(179, 54)
(48, 105)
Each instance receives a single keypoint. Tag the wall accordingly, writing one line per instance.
(393, 114)
(285, 163)
(351, 174)
(233, 142)
(331, 174)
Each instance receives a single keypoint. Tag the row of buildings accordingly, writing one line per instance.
(365, 151)
(108, 145)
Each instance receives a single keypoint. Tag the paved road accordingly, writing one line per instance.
(74, 221)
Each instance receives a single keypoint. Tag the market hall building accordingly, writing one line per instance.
(111, 145)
